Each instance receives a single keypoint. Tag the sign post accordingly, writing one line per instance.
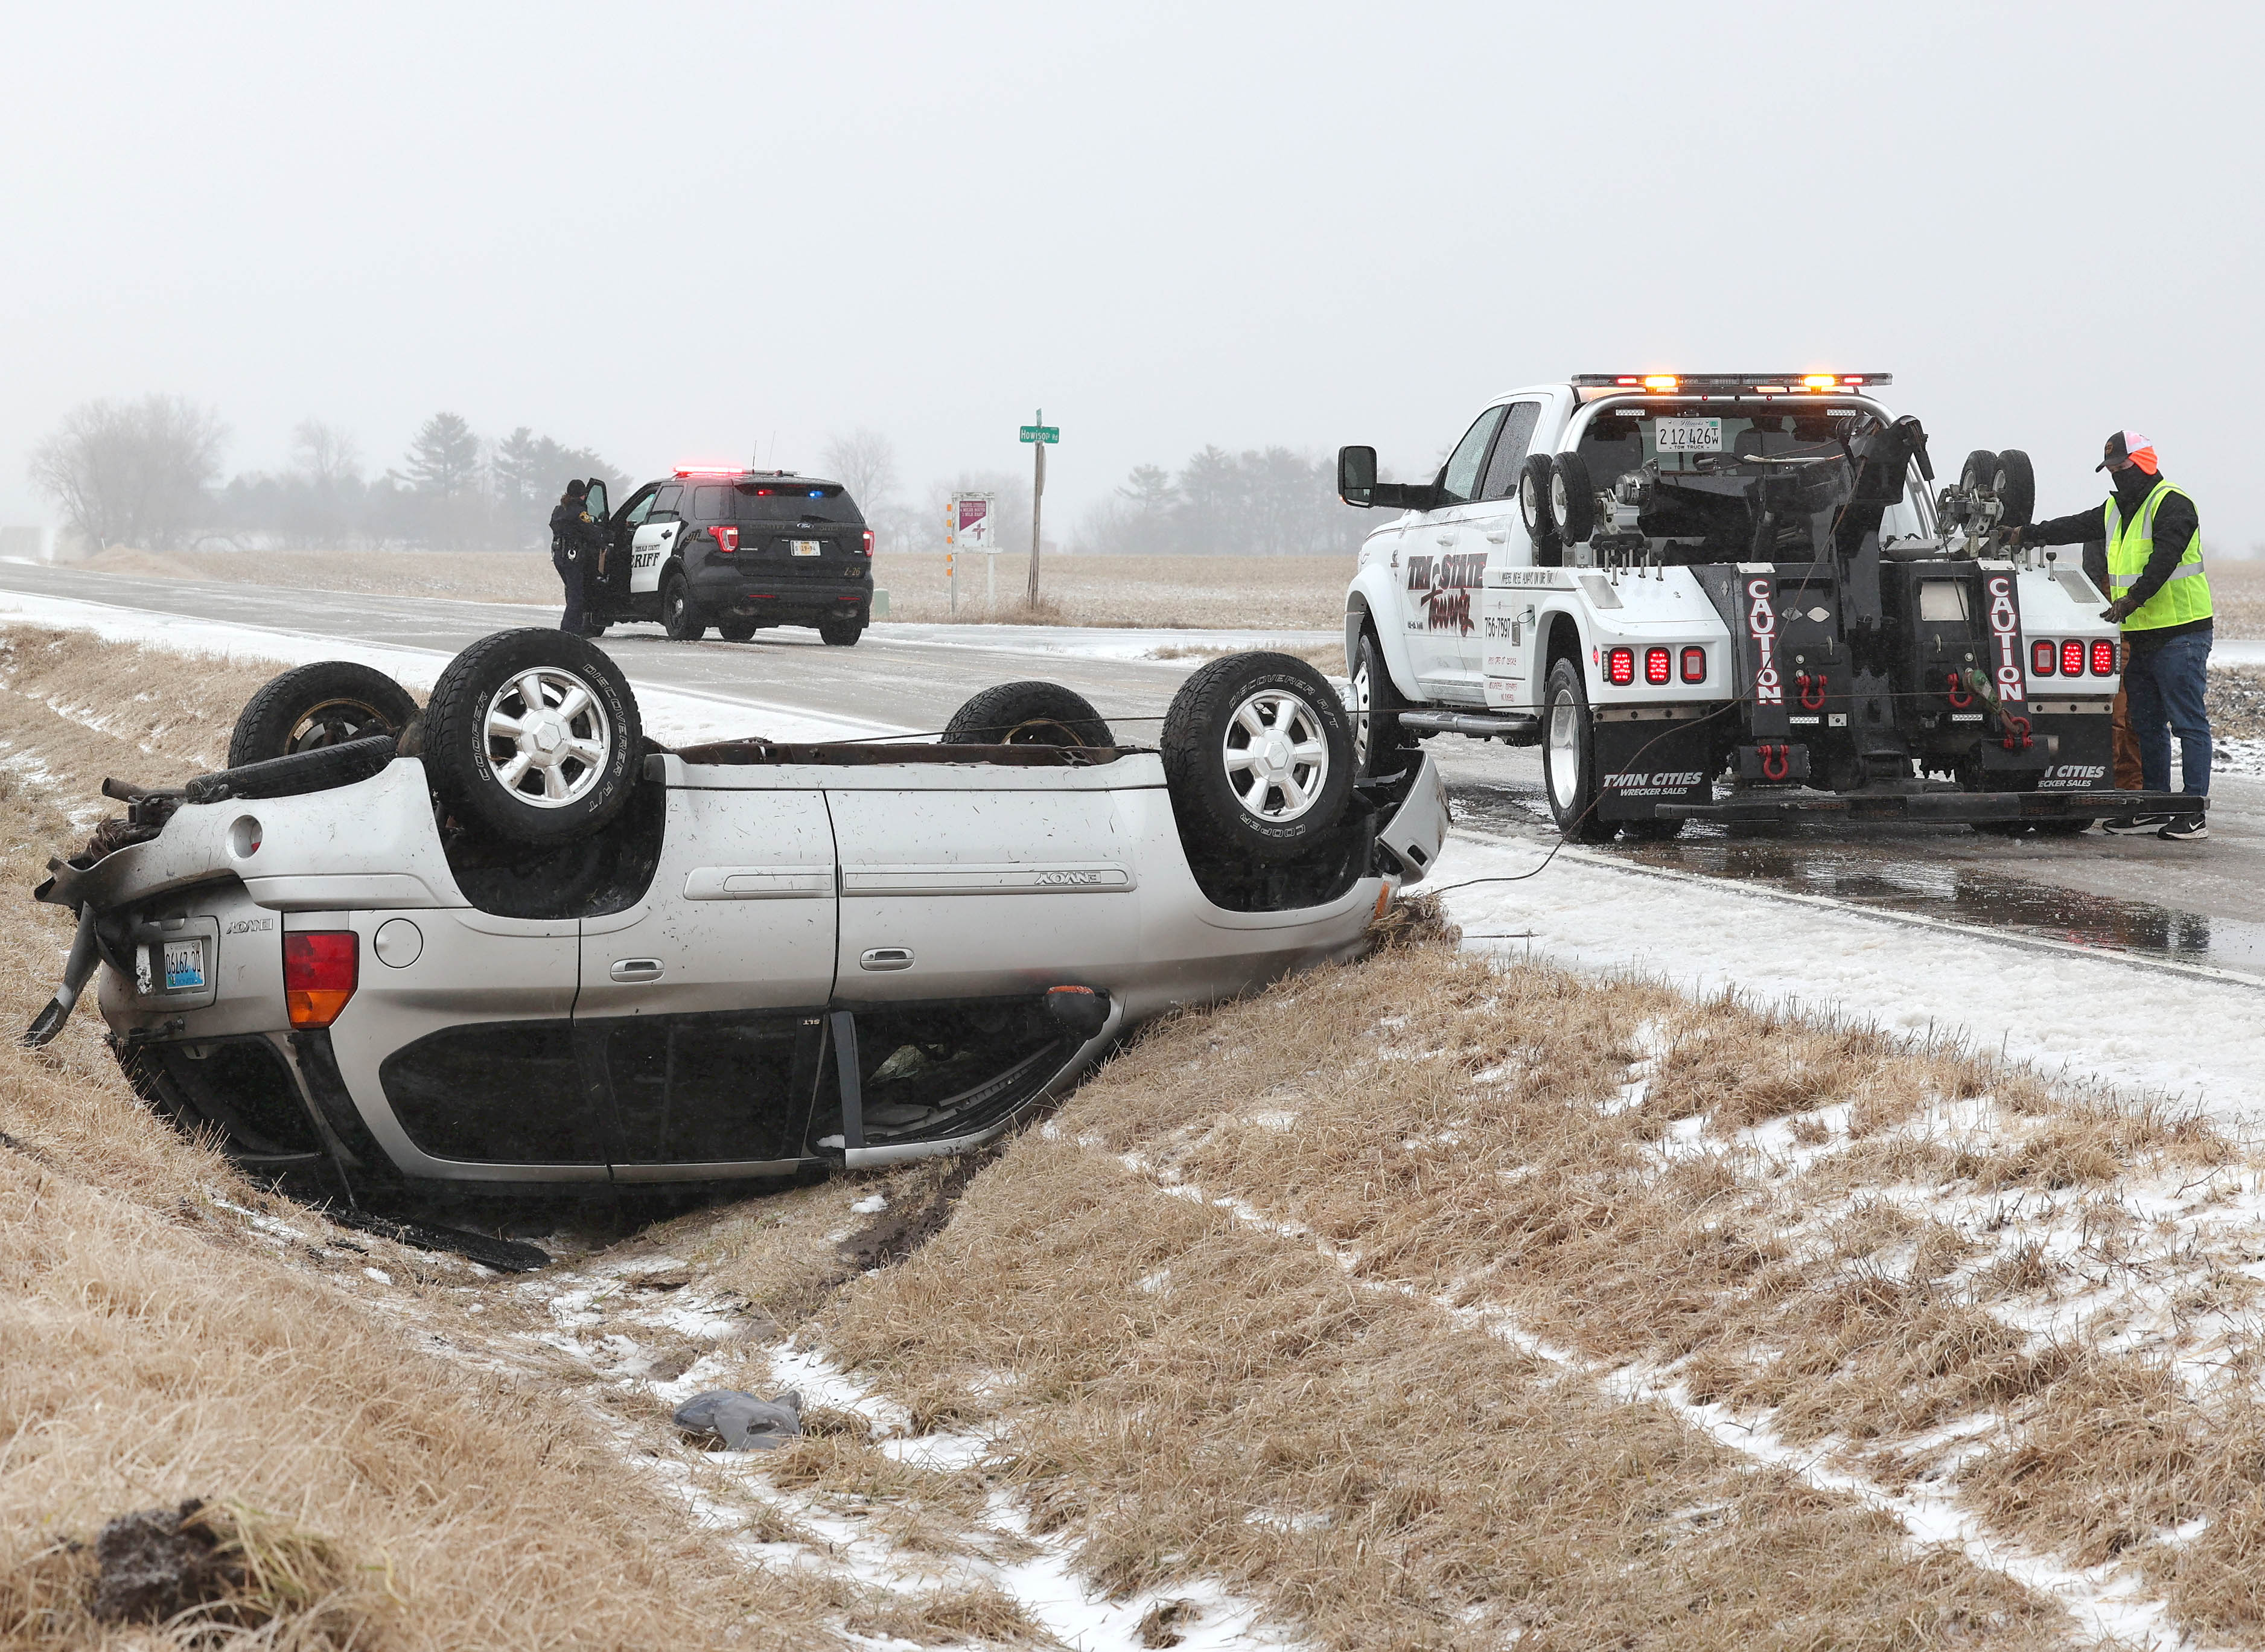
(1038, 435)
(967, 526)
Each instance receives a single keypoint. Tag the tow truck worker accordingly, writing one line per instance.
(573, 538)
(2162, 602)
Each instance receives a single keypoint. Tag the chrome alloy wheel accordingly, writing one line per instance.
(1564, 756)
(1363, 704)
(549, 737)
(1276, 755)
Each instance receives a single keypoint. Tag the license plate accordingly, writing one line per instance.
(184, 964)
(1687, 436)
(805, 547)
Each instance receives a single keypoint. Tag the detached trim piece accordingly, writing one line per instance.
(759, 883)
(1069, 878)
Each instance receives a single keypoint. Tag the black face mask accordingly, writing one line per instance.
(2132, 486)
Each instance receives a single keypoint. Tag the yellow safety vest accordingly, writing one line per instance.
(2184, 597)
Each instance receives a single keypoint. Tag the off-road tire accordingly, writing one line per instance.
(1379, 742)
(735, 631)
(308, 708)
(842, 633)
(2016, 485)
(466, 760)
(1572, 498)
(1980, 470)
(296, 774)
(680, 611)
(1568, 756)
(1028, 714)
(1293, 796)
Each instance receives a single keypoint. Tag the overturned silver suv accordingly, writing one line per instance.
(508, 941)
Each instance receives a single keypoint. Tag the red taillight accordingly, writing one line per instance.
(868, 541)
(320, 970)
(727, 540)
(2103, 658)
(1619, 666)
(2042, 655)
(1658, 666)
(1694, 665)
(2072, 659)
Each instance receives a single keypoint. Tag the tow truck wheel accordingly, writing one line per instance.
(1572, 498)
(1377, 739)
(1568, 756)
(1980, 470)
(680, 615)
(2015, 484)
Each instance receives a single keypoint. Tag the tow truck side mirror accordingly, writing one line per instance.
(1357, 477)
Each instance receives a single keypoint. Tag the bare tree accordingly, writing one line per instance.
(865, 462)
(134, 474)
(323, 454)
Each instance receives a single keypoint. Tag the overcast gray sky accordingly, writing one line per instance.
(684, 232)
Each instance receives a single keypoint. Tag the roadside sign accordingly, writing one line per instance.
(969, 526)
(1042, 432)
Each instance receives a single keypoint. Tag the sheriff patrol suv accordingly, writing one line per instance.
(737, 549)
(1669, 581)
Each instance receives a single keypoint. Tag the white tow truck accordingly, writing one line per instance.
(1729, 597)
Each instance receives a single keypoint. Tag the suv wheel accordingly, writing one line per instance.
(311, 707)
(735, 631)
(843, 633)
(534, 736)
(1028, 714)
(1568, 756)
(1377, 739)
(1259, 755)
(679, 614)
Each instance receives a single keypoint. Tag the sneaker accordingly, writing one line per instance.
(2185, 828)
(2135, 825)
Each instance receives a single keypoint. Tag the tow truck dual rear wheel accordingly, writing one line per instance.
(1568, 756)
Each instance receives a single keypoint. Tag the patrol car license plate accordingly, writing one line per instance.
(1687, 436)
(804, 547)
(185, 965)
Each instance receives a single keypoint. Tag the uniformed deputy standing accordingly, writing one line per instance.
(2161, 599)
(574, 539)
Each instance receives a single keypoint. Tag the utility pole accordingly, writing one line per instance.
(1038, 434)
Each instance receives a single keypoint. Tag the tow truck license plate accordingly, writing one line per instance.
(804, 547)
(185, 965)
(1687, 436)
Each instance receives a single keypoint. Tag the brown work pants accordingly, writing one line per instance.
(2127, 747)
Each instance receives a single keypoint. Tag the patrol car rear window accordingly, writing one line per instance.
(707, 505)
(794, 502)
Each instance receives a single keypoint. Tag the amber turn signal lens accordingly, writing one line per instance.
(321, 968)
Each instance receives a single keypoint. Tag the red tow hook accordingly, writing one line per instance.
(1803, 683)
(1956, 694)
(1777, 762)
(2017, 734)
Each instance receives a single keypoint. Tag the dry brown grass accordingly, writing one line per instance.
(2237, 592)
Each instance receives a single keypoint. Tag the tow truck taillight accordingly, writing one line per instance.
(1657, 666)
(321, 968)
(2103, 658)
(868, 541)
(727, 540)
(2042, 654)
(1694, 665)
(1619, 666)
(2072, 659)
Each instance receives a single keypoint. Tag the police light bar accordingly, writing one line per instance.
(1755, 383)
(710, 470)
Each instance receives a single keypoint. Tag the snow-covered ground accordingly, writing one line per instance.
(1101, 641)
(2138, 1026)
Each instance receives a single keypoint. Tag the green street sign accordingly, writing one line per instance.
(1042, 432)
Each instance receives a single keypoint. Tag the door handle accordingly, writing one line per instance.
(885, 958)
(635, 970)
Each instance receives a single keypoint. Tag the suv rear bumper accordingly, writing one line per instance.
(752, 594)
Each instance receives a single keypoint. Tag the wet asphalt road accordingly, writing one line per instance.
(2199, 903)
